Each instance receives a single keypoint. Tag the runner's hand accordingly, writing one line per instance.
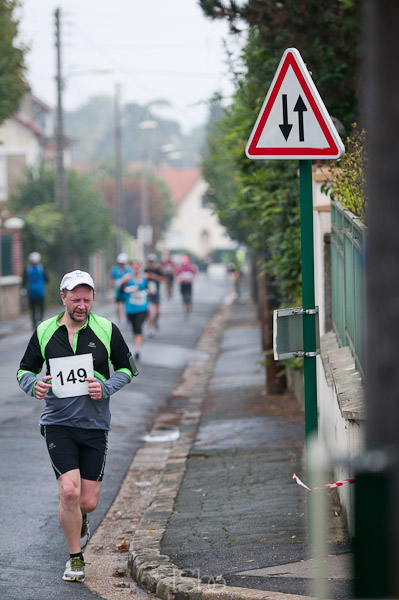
(42, 387)
(95, 388)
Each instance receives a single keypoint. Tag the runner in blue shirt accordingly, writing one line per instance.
(117, 272)
(135, 293)
(34, 281)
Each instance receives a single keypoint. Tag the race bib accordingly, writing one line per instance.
(187, 276)
(69, 373)
(139, 297)
(152, 287)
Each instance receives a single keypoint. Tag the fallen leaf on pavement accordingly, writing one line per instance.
(123, 546)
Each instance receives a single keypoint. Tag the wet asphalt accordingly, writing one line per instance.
(33, 551)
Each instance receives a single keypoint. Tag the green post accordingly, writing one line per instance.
(309, 325)
(308, 302)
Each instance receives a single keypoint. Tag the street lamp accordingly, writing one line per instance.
(144, 231)
(170, 151)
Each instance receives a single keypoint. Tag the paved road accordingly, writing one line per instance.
(32, 548)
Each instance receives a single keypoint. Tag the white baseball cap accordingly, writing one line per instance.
(35, 257)
(122, 258)
(71, 280)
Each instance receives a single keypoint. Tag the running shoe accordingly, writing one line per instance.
(75, 570)
(84, 532)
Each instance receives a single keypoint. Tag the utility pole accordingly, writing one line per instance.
(119, 199)
(60, 186)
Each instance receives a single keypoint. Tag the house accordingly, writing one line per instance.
(195, 228)
(23, 140)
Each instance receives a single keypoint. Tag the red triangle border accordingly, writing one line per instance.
(253, 150)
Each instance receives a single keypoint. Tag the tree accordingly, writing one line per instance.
(12, 68)
(92, 128)
(76, 234)
(258, 201)
(161, 208)
(348, 175)
(327, 33)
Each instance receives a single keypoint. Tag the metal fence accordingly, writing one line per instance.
(348, 251)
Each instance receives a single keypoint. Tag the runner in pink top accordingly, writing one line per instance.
(185, 275)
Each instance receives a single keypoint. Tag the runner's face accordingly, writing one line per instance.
(136, 268)
(78, 302)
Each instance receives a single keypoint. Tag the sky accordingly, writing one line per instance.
(150, 49)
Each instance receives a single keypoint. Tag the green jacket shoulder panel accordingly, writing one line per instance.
(45, 331)
(102, 328)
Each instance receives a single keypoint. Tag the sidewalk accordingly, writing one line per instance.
(228, 521)
(12, 326)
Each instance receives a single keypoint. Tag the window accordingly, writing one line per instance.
(205, 241)
(204, 201)
(6, 255)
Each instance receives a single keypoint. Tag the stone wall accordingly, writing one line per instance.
(10, 303)
(341, 415)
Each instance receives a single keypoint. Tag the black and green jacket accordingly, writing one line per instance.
(99, 337)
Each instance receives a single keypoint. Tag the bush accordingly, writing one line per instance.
(348, 183)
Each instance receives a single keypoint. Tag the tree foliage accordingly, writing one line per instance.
(258, 201)
(76, 233)
(326, 33)
(12, 68)
(160, 206)
(92, 128)
(348, 175)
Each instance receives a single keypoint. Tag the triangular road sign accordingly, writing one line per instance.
(293, 121)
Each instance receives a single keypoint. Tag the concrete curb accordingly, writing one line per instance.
(153, 571)
(150, 569)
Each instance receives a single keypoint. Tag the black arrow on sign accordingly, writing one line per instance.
(300, 108)
(285, 126)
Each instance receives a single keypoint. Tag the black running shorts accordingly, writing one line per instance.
(186, 291)
(137, 321)
(76, 448)
(154, 298)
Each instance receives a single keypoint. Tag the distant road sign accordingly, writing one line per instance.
(293, 121)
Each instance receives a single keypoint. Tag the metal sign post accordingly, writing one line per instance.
(293, 123)
(308, 296)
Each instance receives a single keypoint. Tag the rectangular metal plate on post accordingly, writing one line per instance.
(288, 333)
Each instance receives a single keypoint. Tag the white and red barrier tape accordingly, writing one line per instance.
(335, 484)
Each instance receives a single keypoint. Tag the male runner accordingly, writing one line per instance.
(77, 347)
(154, 277)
